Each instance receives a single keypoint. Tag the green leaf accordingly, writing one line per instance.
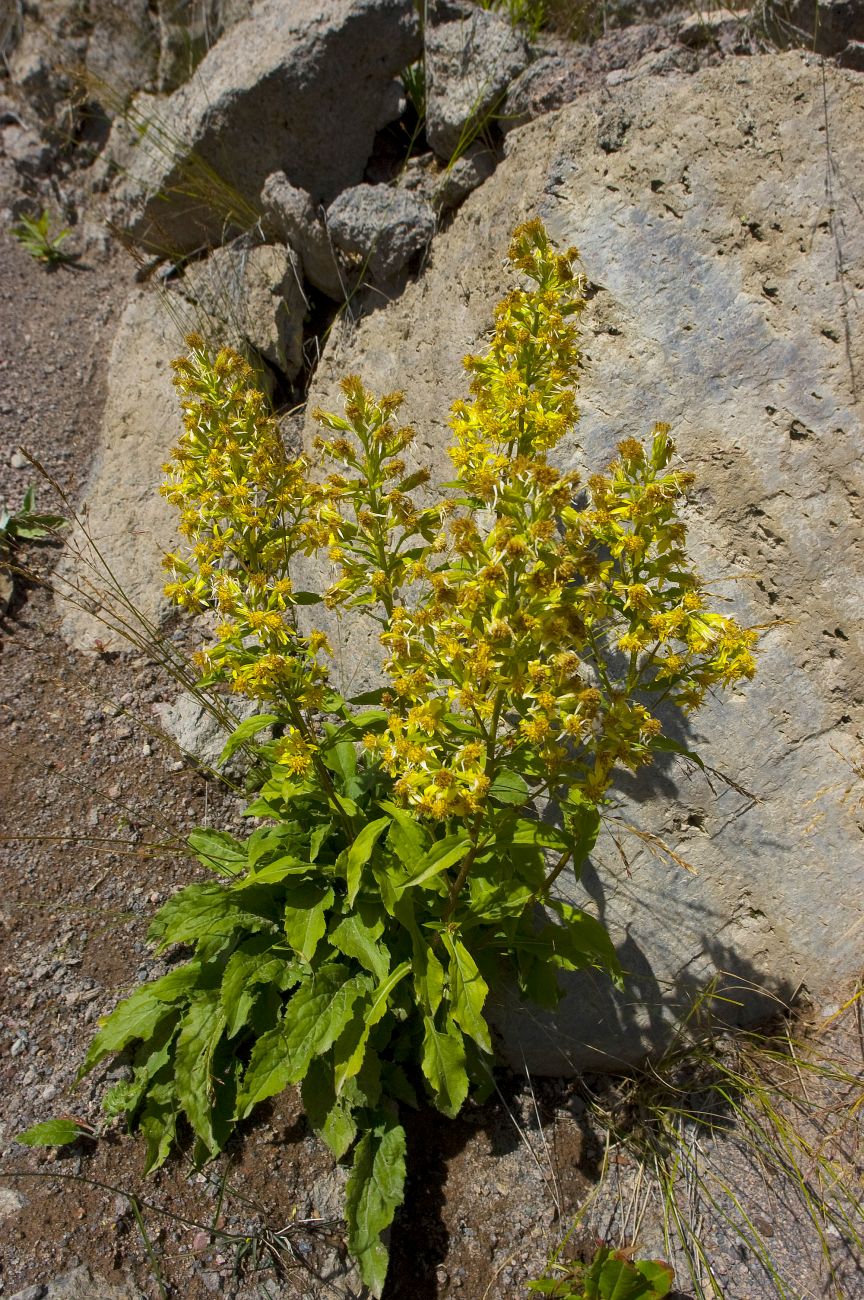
(158, 1124)
(273, 873)
(583, 822)
(252, 964)
(619, 1280)
(202, 912)
(468, 991)
(341, 759)
(245, 731)
(350, 1050)
(306, 917)
(314, 1018)
(353, 937)
(270, 842)
(52, 1133)
(133, 1018)
(582, 941)
(305, 598)
(218, 851)
(329, 1115)
(443, 854)
(317, 838)
(374, 1192)
(660, 1275)
(509, 788)
(427, 969)
(408, 839)
(355, 858)
(200, 1032)
(444, 1066)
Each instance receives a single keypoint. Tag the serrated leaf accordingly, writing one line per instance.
(444, 1065)
(373, 1193)
(245, 731)
(427, 969)
(353, 860)
(314, 1018)
(468, 992)
(443, 854)
(158, 1124)
(202, 912)
(306, 917)
(329, 1115)
(353, 937)
(408, 839)
(133, 1018)
(252, 964)
(218, 851)
(200, 1031)
(350, 1049)
(51, 1133)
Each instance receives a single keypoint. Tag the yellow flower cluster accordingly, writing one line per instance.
(526, 636)
(241, 500)
(364, 516)
(546, 630)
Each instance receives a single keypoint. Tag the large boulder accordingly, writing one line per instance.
(294, 87)
(254, 294)
(381, 227)
(470, 62)
(113, 561)
(719, 302)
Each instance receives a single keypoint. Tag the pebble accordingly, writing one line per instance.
(18, 460)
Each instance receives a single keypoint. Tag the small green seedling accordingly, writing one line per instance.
(25, 525)
(610, 1276)
(40, 241)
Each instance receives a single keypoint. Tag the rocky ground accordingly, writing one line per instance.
(97, 798)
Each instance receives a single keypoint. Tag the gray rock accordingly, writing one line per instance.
(30, 155)
(125, 521)
(393, 104)
(122, 49)
(734, 332)
(463, 176)
(256, 293)
(297, 87)
(852, 56)
(380, 226)
(825, 26)
(11, 1201)
(710, 27)
(187, 29)
(469, 65)
(290, 213)
(546, 85)
(201, 732)
(612, 126)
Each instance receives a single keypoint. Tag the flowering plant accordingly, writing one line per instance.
(405, 862)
